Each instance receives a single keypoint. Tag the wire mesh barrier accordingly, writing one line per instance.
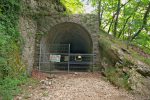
(58, 58)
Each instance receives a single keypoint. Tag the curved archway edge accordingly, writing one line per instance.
(89, 22)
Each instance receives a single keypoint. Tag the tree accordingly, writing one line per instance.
(116, 18)
(73, 6)
(144, 22)
(125, 20)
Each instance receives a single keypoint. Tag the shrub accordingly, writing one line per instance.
(11, 67)
(10, 87)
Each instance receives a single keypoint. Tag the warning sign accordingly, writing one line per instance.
(55, 58)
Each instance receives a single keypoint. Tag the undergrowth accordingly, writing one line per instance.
(10, 87)
(12, 70)
(140, 57)
(117, 77)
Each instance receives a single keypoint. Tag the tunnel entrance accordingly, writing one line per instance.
(67, 46)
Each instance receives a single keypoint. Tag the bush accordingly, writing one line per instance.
(11, 66)
(10, 87)
(10, 63)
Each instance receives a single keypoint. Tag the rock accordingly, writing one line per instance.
(30, 86)
(46, 82)
(28, 96)
(18, 98)
(42, 81)
(125, 51)
(135, 79)
(143, 69)
(139, 84)
(43, 87)
(51, 76)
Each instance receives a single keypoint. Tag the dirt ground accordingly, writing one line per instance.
(76, 86)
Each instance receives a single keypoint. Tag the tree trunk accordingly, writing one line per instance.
(116, 18)
(124, 26)
(107, 23)
(114, 15)
(111, 23)
(99, 13)
(143, 24)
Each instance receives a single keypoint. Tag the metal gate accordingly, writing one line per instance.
(58, 58)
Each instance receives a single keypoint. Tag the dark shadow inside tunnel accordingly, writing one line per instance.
(73, 34)
(80, 43)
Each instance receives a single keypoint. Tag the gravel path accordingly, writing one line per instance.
(77, 86)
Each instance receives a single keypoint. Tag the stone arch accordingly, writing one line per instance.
(70, 33)
(87, 23)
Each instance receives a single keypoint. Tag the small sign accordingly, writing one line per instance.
(55, 58)
(66, 58)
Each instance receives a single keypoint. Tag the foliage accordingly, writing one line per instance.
(73, 6)
(10, 62)
(10, 87)
(143, 41)
(137, 55)
(125, 19)
(107, 45)
(118, 78)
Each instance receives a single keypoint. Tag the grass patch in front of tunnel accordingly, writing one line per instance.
(117, 77)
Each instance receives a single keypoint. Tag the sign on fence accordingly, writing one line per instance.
(55, 58)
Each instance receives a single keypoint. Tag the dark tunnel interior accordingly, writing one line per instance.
(73, 34)
(69, 33)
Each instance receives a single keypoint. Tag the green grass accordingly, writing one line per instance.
(10, 87)
(121, 44)
(118, 78)
(141, 58)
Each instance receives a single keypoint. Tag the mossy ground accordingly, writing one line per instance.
(108, 40)
(119, 75)
(10, 87)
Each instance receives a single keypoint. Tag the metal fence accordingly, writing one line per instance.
(59, 59)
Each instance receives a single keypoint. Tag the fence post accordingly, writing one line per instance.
(40, 57)
(93, 62)
(68, 58)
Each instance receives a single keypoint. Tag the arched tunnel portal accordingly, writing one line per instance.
(73, 34)
(69, 39)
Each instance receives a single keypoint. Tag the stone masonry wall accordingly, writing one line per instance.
(28, 25)
(87, 21)
(28, 29)
(38, 17)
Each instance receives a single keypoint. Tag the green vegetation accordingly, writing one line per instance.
(73, 6)
(119, 73)
(143, 42)
(105, 47)
(128, 20)
(10, 62)
(10, 87)
(12, 71)
(117, 77)
(141, 58)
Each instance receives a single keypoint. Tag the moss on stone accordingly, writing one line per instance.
(117, 77)
(123, 66)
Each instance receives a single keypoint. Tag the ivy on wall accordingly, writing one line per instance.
(10, 64)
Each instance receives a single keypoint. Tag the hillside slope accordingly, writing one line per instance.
(123, 66)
